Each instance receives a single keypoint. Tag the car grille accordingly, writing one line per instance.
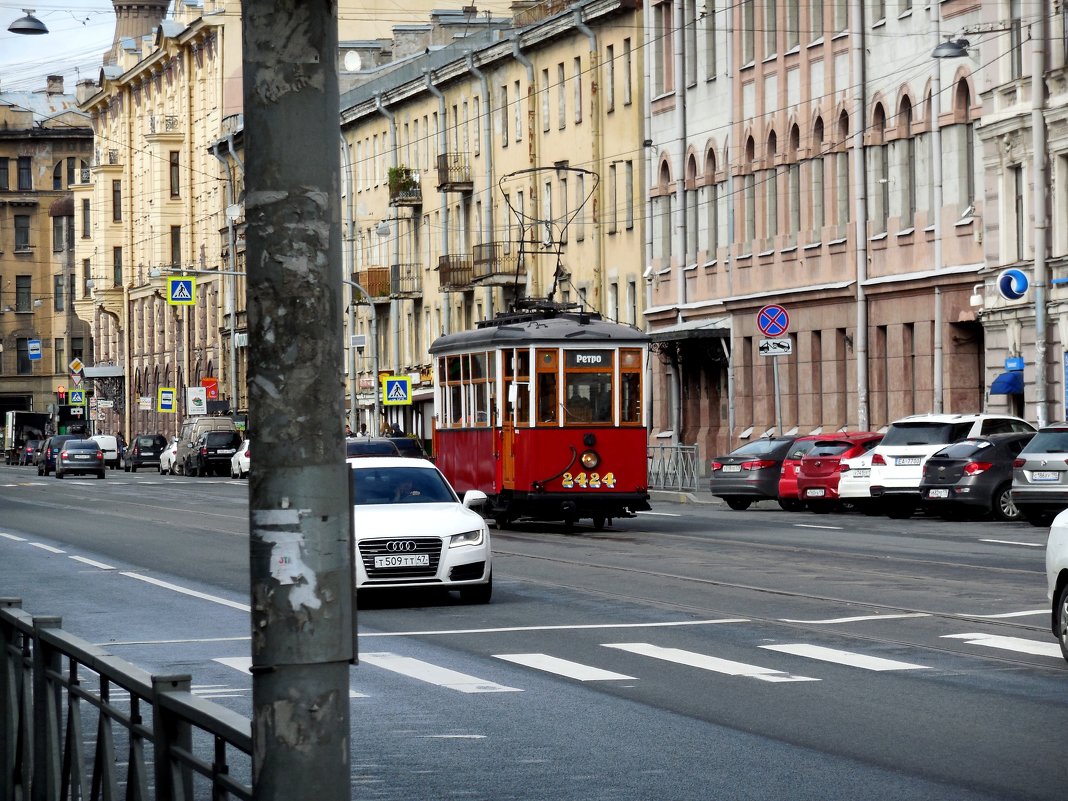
(369, 549)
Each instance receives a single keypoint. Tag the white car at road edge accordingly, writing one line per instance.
(1057, 579)
(168, 457)
(240, 461)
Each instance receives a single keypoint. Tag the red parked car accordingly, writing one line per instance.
(788, 497)
(817, 478)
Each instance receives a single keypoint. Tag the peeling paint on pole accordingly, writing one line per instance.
(300, 517)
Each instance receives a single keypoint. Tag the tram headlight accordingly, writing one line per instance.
(590, 459)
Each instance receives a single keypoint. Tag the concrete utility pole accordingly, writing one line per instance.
(303, 624)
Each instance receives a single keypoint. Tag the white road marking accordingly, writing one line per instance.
(432, 674)
(244, 663)
(842, 657)
(173, 642)
(813, 525)
(12, 537)
(572, 627)
(48, 548)
(186, 591)
(453, 736)
(660, 514)
(854, 619)
(705, 662)
(92, 562)
(1025, 613)
(563, 667)
(1018, 644)
(1013, 542)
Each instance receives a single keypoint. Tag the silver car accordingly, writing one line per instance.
(1040, 475)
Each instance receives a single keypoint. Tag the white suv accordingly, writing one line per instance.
(897, 461)
(1057, 578)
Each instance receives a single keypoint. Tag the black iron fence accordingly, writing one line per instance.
(673, 467)
(80, 723)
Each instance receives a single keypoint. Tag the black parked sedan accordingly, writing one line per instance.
(213, 453)
(750, 473)
(973, 475)
(80, 456)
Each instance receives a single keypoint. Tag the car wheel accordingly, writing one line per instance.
(59, 474)
(791, 504)
(102, 474)
(598, 522)
(1061, 620)
(1004, 508)
(478, 593)
(1038, 517)
(737, 504)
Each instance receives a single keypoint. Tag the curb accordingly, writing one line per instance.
(676, 496)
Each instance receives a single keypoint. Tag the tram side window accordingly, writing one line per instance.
(548, 397)
(517, 374)
(630, 387)
(478, 388)
(454, 392)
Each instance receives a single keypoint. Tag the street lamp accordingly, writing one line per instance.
(28, 25)
(374, 353)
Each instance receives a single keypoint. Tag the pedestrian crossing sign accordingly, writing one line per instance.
(77, 397)
(182, 290)
(396, 390)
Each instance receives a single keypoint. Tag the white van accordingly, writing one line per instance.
(110, 446)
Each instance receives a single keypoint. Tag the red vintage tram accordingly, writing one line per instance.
(541, 409)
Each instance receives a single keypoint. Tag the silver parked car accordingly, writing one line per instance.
(1040, 475)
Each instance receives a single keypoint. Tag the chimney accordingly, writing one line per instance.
(54, 84)
(134, 19)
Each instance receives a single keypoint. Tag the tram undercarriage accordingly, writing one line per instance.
(510, 506)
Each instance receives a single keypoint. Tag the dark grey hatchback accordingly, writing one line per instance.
(973, 475)
(750, 473)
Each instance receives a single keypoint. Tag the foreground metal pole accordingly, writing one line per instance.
(300, 517)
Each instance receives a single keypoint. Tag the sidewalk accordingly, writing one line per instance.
(675, 496)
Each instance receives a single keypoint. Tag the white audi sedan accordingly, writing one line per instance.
(412, 530)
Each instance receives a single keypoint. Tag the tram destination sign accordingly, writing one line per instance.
(588, 358)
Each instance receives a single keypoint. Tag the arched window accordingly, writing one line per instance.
(907, 162)
(841, 173)
(662, 211)
(691, 209)
(711, 199)
(817, 180)
(881, 170)
(771, 188)
(749, 195)
(965, 149)
(793, 183)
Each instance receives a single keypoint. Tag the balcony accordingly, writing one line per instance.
(454, 173)
(494, 267)
(404, 187)
(455, 272)
(406, 280)
(376, 281)
(164, 124)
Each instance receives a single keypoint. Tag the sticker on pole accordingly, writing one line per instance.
(773, 320)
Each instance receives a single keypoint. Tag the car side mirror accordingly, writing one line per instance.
(474, 498)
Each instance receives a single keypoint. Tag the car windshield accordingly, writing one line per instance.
(965, 449)
(387, 485)
(145, 442)
(222, 438)
(801, 448)
(923, 433)
(370, 447)
(1048, 442)
(762, 447)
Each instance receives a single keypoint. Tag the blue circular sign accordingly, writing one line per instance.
(1012, 284)
(773, 321)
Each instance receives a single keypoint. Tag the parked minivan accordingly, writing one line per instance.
(192, 430)
(110, 446)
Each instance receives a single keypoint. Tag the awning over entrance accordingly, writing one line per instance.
(1011, 383)
(712, 327)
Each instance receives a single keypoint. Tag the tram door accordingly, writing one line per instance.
(507, 455)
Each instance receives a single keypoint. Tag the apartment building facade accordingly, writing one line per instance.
(45, 144)
(504, 166)
(820, 158)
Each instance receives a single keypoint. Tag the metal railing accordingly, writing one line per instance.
(674, 467)
(80, 723)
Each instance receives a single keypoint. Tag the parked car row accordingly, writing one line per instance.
(946, 464)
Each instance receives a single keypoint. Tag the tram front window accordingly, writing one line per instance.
(589, 398)
(547, 397)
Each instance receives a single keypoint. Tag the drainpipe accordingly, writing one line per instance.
(1041, 222)
(597, 159)
(681, 212)
(349, 269)
(532, 286)
(647, 228)
(394, 302)
(860, 177)
(937, 382)
(728, 260)
(230, 305)
(487, 148)
(443, 197)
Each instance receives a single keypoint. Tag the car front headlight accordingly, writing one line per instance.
(466, 538)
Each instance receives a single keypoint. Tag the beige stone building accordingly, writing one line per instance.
(505, 165)
(45, 144)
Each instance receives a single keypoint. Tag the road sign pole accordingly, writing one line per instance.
(778, 397)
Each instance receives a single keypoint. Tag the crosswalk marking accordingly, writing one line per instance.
(842, 657)
(707, 662)
(563, 667)
(1018, 644)
(432, 674)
